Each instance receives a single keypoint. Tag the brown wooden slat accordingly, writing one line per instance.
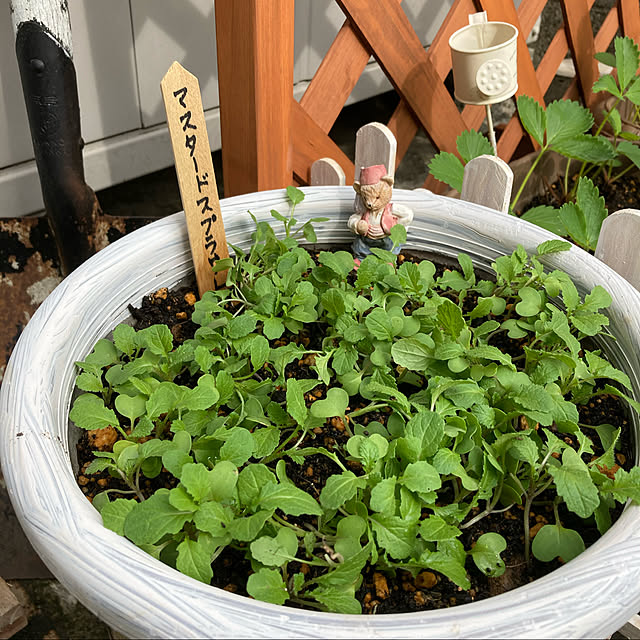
(629, 18)
(528, 13)
(310, 142)
(255, 80)
(580, 38)
(403, 123)
(602, 40)
(399, 52)
(335, 78)
(504, 11)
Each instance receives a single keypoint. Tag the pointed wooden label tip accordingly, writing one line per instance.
(196, 177)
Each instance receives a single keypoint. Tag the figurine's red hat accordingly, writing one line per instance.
(372, 174)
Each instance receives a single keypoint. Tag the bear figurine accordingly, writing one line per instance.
(375, 214)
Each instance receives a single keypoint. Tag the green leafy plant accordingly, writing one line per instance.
(563, 127)
(441, 427)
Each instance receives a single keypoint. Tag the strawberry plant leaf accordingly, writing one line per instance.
(566, 119)
(546, 217)
(533, 118)
(627, 58)
(447, 168)
(471, 144)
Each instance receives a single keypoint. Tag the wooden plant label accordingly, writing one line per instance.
(198, 189)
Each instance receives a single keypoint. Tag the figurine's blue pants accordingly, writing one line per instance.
(361, 246)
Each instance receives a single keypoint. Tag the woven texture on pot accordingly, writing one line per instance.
(591, 596)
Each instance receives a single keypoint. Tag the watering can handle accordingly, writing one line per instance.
(478, 18)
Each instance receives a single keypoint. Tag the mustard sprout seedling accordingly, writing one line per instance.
(442, 426)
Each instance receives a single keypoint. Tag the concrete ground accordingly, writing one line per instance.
(51, 610)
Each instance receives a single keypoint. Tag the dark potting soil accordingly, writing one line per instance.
(380, 592)
(621, 194)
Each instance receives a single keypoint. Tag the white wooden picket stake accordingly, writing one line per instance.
(618, 244)
(327, 172)
(488, 181)
(375, 144)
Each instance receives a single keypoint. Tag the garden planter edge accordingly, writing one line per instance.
(141, 597)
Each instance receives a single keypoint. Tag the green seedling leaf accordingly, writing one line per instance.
(148, 521)
(89, 382)
(204, 396)
(348, 533)
(215, 519)
(288, 498)
(383, 496)
(251, 480)
(338, 601)
(125, 338)
(450, 316)
(340, 262)
(486, 554)
(157, 339)
(114, 513)
(413, 353)
(339, 488)
(625, 485)
(335, 404)
(296, 406)
(247, 528)
(295, 195)
(531, 302)
(552, 246)
(421, 477)
(89, 413)
(267, 585)
(241, 326)
(238, 446)
(130, 407)
(103, 354)
(394, 535)
(553, 541)
(275, 552)
(194, 559)
(435, 529)
(574, 484)
(379, 324)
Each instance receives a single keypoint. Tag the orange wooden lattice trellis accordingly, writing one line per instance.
(269, 139)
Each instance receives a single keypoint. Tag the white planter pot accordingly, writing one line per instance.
(591, 596)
